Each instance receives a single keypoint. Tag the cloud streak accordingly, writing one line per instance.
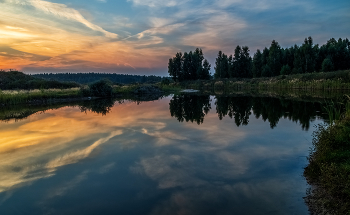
(62, 11)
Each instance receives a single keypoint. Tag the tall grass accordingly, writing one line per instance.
(329, 164)
(10, 97)
(333, 111)
(331, 81)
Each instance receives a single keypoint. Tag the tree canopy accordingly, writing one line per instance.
(274, 61)
(189, 66)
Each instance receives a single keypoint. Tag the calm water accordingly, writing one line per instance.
(178, 155)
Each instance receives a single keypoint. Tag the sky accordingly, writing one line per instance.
(139, 36)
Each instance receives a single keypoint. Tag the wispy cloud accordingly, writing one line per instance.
(157, 3)
(62, 11)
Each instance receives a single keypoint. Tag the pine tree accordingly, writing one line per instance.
(275, 58)
(257, 64)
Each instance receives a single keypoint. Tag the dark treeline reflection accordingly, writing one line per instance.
(20, 112)
(100, 106)
(193, 108)
(190, 108)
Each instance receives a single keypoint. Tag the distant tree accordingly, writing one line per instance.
(221, 66)
(245, 63)
(237, 62)
(298, 62)
(189, 66)
(266, 71)
(308, 56)
(286, 70)
(265, 56)
(205, 71)
(275, 58)
(257, 64)
(175, 67)
(327, 65)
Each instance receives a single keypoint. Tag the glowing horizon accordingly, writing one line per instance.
(138, 37)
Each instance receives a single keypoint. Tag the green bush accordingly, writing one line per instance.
(101, 88)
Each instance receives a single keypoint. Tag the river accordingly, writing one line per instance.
(183, 154)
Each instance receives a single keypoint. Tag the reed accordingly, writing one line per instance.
(329, 164)
(11, 97)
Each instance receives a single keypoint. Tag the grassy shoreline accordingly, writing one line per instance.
(11, 97)
(330, 81)
(328, 170)
(319, 83)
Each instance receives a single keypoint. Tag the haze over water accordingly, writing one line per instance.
(139, 159)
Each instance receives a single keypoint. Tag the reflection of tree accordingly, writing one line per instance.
(190, 107)
(236, 107)
(100, 106)
(270, 109)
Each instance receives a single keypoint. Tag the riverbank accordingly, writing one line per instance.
(313, 83)
(12, 97)
(330, 81)
(137, 92)
(328, 171)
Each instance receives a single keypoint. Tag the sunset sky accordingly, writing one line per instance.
(139, 36)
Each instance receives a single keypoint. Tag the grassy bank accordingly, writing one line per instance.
(329, 165)
(105, 90)
(11, 97)
(330, 81)
(307, 83)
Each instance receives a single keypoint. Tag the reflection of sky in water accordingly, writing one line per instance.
(139, 160)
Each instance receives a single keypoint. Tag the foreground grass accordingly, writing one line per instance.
(329, 168)
(11, 97)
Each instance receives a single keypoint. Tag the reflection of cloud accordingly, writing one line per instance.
(34, 148)
(26, 151)
(266, 197)
(63, 189)
(16, 171)
(106, 168)
(169, 171)
(164, 137)
(74, 157)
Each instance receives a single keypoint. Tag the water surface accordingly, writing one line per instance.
(178, 155)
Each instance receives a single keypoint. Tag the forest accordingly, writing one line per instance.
(189, 66)
(272, 61)
(86, 78)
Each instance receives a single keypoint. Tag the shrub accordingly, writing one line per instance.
(101, 88)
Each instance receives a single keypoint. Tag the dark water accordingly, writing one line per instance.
(178, 155)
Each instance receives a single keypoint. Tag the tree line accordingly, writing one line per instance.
(86, 78)
(272, 61)
(11, 80)
(189, 66)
